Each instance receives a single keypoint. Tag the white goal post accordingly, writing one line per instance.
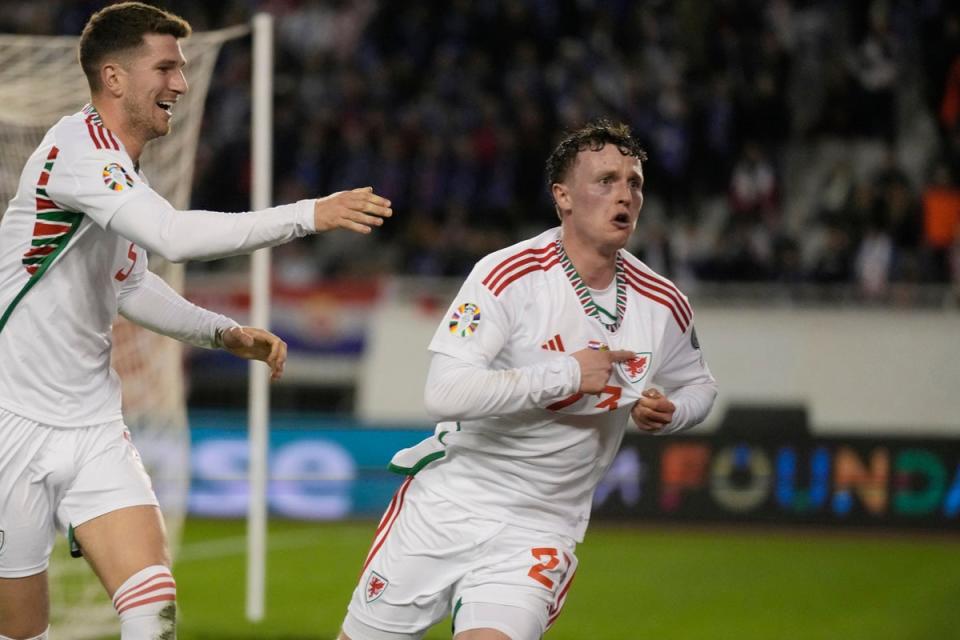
(259, 398)
(40, 82)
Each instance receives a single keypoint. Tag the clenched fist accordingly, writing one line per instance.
(652, 412)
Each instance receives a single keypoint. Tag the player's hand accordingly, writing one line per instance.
(652, 412)
(257, 344)
(358, 210)
(596, 367)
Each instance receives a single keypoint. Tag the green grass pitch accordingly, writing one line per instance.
(633, 583)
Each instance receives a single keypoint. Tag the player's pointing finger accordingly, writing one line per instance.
(621, 355)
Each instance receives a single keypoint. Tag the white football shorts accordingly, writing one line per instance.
(430, 558)
(54, 477)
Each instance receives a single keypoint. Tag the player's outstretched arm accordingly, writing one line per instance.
(256, 344)
(178, 236)
(357, 210)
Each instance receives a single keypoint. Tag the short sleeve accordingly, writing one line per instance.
(476, 326)
(96, 184)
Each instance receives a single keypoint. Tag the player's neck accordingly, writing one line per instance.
(114, 119)
(596, 267)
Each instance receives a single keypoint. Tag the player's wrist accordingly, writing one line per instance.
(220, 331)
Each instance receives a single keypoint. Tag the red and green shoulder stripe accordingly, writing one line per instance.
(52, 230)
(53, 226)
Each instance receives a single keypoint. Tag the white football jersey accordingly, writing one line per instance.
(519, 307)
(61, 273)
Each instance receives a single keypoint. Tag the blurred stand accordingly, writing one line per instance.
(802, 154)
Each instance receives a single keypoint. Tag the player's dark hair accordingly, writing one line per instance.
(593, 136)
(120, 28)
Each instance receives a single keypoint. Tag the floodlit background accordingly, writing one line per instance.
(802, 190)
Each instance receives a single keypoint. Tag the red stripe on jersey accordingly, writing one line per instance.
(498, 271)
(44, 174)
(398, 499)
(32, 269)
(40, 251)
(103, 137)
(93, 136)
(559, 343)
(566, 402)
(640, 288)
(113, 141)
(538, 266)
(516, 264)
(49, 229)
(44, 204)
(664, 287)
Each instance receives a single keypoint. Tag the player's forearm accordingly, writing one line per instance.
(693, 403)
(458, 390)
(151, 222)
(155, 306)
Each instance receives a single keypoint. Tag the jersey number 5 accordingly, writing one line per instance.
(132, 254)
(536, 571)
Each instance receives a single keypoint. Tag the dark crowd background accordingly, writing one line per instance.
(804, 144)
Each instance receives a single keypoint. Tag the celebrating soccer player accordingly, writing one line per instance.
(550, 351)
(73, 248)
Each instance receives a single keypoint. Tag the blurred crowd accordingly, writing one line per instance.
(790, 141)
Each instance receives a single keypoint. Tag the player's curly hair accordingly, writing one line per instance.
(121, 27)
(594, 136)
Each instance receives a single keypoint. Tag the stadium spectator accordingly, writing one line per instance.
(753, 186)
(941, 216)
(394, 88)
(873, 261)
(875, 68)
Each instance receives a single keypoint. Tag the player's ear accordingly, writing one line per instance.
(560, 196)
(112, 78)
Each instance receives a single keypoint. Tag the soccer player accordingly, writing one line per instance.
(552, 349)
(73, 248)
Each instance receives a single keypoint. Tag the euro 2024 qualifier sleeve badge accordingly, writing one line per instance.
(465, 320)
(116, 177)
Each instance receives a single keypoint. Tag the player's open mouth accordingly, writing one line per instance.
(621, 220)
(166, 105)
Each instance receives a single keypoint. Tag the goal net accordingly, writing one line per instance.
(40, 82)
